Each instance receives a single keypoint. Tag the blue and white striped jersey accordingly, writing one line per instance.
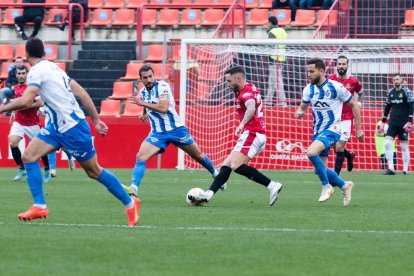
(161, 122)
(327, 101)
(61, 106)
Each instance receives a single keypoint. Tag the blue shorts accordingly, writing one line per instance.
(328, 138)
(77, 140)
(178, 137)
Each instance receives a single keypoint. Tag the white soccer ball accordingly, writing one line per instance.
(193, 195)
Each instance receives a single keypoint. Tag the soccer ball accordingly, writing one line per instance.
(192, 196)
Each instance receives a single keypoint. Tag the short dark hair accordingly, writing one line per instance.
(35, 48)
(273, 20)
(342, 56)
(235, 70)
(145, 68)
(398, 74)
(22, 67)
(319, 64)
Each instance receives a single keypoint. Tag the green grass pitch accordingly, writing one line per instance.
(237, 233)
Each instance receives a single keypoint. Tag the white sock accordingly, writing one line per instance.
(215, 173)
(131, 204)
(405, 156)
(389, 154)
(43, 206)
(209, 194)
(271, 185)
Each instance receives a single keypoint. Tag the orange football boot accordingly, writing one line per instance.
(133, 212)
(34, 212)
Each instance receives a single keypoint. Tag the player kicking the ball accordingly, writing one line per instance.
(251, 138)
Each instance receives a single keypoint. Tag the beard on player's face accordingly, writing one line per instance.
(315, 80)
(342, 71)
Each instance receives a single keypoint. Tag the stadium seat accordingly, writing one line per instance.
(132, 109)
(332, 20)
(101, 17)
(190, 17)
(124, 17)
(122, 90)
(6, 51)
(258, 17)
(10, 14)
(205, 2)
(168, 17)
(154, 53)
(53, 13)
(114, 4)
(20, 51)
(182, 2)
(304, 18)
(238, 17)
(51, 51)
(110, 108)
(251, 4)
(283, 16)
(95, 4)
(136, 3)
(212, 17)
(132, 71)
(159, 2)
(149, 17)
(266, 4)
(61, 65)
(5, 67)
(158, 71)
(408, 18)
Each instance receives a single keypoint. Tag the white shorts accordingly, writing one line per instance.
(19, 130)
(346, 128)
(250, 144)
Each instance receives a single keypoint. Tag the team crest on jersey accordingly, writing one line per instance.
(327, 93)
(44, 131)
(401, 95)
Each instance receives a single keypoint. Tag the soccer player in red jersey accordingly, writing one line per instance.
(24, 121)
(352, 85)
(251, 138)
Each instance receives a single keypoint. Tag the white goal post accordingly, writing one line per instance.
(206, 105)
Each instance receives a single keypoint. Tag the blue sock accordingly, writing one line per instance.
(52, 160)
(208, 165)
(35, 180)
(320, 168)
(111, 182)
(138, 172)
(334, 178)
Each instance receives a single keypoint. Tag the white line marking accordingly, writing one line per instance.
(201, 228)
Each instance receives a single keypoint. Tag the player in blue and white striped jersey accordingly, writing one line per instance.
(166, 127)
(327, 98)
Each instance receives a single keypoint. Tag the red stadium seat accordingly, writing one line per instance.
(10, 14)
(95, 4)
(51, 51)
(158, 71)
(6, 51)
(5, 67)
(132, 109)
(114, 4)
(154, 53)
(250, 4)
(124, 17)
(304, 18)
(283, 16)
(136, 3)
(132, 71)
(182, 2)
(110, 108)
(53, 13)
(408, 18)
(190, 17)
(101, 17)
(159, 2)
(332, 20)
(205, 2)
(258, 17)
(168, 17)
(149, 17)
(212, 17)
(237, 16)
(20, 51)
(122, 90)
(266, 4)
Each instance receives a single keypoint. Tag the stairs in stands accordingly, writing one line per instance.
(100, 64)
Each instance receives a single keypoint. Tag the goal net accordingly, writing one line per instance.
(208, 107)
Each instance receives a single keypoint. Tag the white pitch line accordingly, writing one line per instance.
(201, 228)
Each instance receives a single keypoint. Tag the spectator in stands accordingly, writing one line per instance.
(30, 14)
(76, 16)
(276, 64)
(305, 4)
(283, 3)
(11, 81)
(326, 5)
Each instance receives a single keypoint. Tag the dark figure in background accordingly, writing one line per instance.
(30, 14)
(276, 4)
(76, 16)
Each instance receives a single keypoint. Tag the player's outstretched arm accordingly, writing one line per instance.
(23, 102)
(300, 112)
(357, 116)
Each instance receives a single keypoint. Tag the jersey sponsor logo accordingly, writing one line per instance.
(186, 138)
(397, 101)
(153, 139)
(44, 132)
(320, 104)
